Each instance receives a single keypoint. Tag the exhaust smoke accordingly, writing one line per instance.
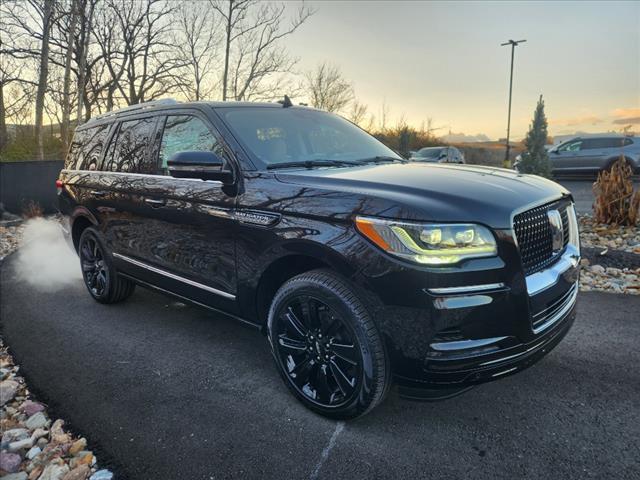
(45, 260)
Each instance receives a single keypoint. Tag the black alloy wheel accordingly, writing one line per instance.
(326, 346)
(319, 352)
(99, 274)
(94, 271)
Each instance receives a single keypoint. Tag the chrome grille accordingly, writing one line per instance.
(534, 236)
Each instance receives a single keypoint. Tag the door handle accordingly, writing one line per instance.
(154, 202)
(98, 193)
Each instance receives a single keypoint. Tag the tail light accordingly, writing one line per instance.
(59, 185)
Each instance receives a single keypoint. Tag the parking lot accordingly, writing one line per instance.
(581, 187)
(165, 391)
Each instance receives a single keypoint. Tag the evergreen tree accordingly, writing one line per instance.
(535, 159)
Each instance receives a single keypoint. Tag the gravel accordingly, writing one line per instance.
(600, 235)
(29, 449)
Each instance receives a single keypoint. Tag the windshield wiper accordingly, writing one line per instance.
(312, 163)
(382, 158)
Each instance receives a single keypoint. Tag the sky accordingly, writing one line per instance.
(443, 60)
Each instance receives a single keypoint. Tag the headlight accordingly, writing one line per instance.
(429, 244)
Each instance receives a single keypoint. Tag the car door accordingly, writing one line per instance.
(566, 156)
(591, 151)
(119, 180)
(189, 230)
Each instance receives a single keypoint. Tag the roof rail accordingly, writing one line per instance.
(132, 108)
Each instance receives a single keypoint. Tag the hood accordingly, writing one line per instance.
(437, 192)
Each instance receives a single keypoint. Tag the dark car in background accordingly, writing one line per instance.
(591, 154)
(437, 155)
(363, 270)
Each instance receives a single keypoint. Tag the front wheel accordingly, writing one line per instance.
(98, 272)
(326, 346)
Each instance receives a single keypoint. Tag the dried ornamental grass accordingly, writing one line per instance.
(616, 202)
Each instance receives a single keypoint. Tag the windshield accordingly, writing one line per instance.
(429, 152)
(283, 135)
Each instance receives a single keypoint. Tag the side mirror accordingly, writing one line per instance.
(202, 165)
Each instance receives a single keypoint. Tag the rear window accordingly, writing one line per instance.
(86, 148)
(128, 150)
(430, 152)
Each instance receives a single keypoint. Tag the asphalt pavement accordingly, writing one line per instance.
(581, 187)
(164, 391)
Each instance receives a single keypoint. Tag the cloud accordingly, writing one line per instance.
(627, 121)
(575, 121)
(463, 138)
(626, 116)
(626, 113)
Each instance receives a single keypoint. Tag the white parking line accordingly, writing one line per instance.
(327, 450)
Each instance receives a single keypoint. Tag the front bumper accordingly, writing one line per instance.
(482, 332)
(487, 361)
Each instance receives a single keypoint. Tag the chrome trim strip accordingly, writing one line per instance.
(461, 301)
(503, 359)
(175, 277)
(561, 313)
(539, 281)
(140, 175)
(465, 344)
(465, 289)
(504, 372)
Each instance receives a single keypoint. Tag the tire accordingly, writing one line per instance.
(343, 374)
(98, 272)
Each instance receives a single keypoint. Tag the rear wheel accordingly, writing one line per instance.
(326, 346)
(99, 274)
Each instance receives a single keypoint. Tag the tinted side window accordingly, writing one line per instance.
(571, 146)
(128, 149)
(86, 148)
(627, 141)
(592, 143)
(187, 133)
(589, 144)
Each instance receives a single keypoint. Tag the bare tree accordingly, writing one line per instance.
(384, 115)
(198, 40)
(65, 123)
(358, 112)
(16, 93)
(85, 12)
(328, 89)
(144, 66)
(254, 59)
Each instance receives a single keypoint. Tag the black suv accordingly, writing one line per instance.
(361, 268)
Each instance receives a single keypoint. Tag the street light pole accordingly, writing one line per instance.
(514, 44)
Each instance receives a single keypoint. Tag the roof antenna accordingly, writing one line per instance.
(286, 103)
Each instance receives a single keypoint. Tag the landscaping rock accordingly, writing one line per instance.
(39, 420)
(77, 446)
(16, 476)
(14, 435)
(20, 445)
(49, 454)
(8, 389)
(31, 408)
(33, 453)
(102, 475)
(54, 471)
(10, 462)
(79, 473)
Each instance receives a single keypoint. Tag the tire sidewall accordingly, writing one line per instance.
(91, 232)
(367, 388)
